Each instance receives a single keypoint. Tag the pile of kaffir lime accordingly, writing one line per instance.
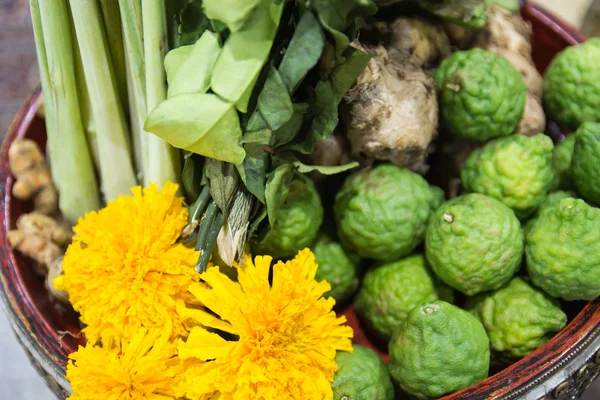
(467, 229)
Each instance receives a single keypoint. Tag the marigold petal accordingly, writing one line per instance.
(204, 345)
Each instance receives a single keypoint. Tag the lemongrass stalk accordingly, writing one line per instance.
(114, 150)
(164, 161)
(114, 34)
(71, 163)
(87, 117)
(131, 19)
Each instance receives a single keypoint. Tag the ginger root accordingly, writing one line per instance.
(54, 271)
(33, 179)
(40, 238)
(409, 39)
(391, 113)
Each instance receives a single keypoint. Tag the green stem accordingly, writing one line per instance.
(116, 165)
(199, 205)
(131, 18)
(164, 161)
(209, 239)
(85, 104)
(114, 34)
(70, 159)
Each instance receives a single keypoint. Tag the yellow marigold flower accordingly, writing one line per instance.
(124, 270)
(288, 334)
(143, 369)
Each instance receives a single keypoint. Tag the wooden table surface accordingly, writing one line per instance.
(18, 76)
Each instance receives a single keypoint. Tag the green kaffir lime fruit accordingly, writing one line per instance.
(382, 212)
(561, 164)
(336, 267)
(549, 203)
(297, 222)
(572, 85)
(390, 291)
(586, 162)
(518, 318)
(482, 96)
(563, 251)
(361, 375)
(474, 243)
(517, 170)
(438, 350)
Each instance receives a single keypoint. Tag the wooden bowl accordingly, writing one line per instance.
(561, 369)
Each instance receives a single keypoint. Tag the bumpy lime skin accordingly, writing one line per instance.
(517, 170)
(586, 162)
(297, 223)
(519, 318)
(382, 212)
(438, 350)
(390, 291)
(361, 375)
(474, 243)
(561, 164)
(481, 95)
(572, 85)
(549, 203)
(563, 251)
(335, 267)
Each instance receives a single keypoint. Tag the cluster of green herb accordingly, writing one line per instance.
(253, 85)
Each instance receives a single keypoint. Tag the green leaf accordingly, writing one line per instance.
(233, 13)
(277, 190)
(327, 97)
(303, 52)
(256, 164)
(290, 129)
(325, 102)
(174, 10)
(510, 5)
(193, 24)
(274, 102)
(224, 181)
(262, 136)
(191, 175)
(257, 122)
(470, 13)
(344, 75)
(189, 68)
(202, 123)
(244, 54)
(324, 169)
(257, 217)
(338, 16)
